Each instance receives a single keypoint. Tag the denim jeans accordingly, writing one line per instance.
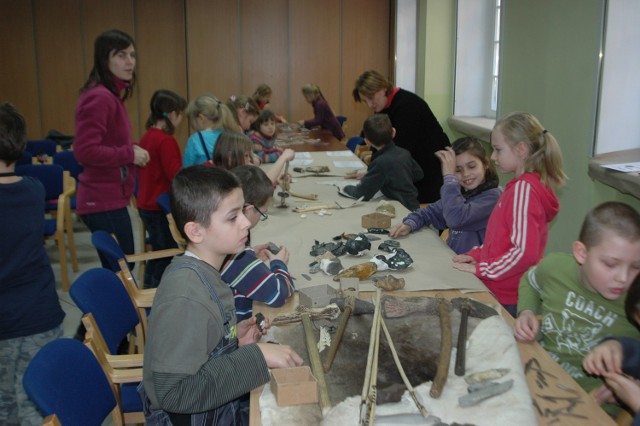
(116, 222)
(159, 237)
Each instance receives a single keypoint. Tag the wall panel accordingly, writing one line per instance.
(265, 50)
(18, 67)
(57, 30)
(162, 54)
(213, 48)
(315, 53)
(365, 35)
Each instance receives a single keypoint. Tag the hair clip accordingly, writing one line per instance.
(233, 98)
(165, 115)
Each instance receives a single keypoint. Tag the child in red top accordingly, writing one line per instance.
(155, 178)
(518, 227)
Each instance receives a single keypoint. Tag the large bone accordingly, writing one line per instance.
(442, 372)
(316, 365)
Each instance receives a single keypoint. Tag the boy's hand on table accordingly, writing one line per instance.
(399, 230)
(626, 388)
(356, 176)
(527, 326)
(280, 356)
(249, 332)
(604, 358)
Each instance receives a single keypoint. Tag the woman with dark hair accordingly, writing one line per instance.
(103, 143)
(417, 129)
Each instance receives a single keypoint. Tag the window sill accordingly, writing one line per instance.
(628, 183)
(477, 127)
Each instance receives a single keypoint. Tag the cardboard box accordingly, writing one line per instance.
(376, 220)
(294, 386)
(317, 296)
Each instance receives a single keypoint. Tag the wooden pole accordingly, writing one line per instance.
(316, 365)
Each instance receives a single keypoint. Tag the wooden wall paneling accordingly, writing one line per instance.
(265, 49)
(365, 35)
(59, 59)
(18, 72)
(99, 16)
(315, 54)
(161, 44)
(213, 48)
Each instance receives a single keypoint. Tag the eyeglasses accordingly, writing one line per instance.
(263, 216)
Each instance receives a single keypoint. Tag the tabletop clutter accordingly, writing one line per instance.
(421, 336)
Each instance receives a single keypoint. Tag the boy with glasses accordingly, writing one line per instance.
(256, 273)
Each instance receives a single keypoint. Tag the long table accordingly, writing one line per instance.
(309, 141)
(556, 398)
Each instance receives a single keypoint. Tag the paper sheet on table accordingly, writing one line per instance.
(491, 345)
(339, 154)
(300, 162)
(302, 155)
(355, 164)
(624, 167)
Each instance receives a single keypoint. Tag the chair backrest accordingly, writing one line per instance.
(341, 119)
(51, 176)
(26, 158)
(164, 202)
(43, 146)
(353, 142)
(101, 292)
(109, 248)
(68, 161)
(65, 378)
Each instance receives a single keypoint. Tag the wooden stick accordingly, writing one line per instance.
(316, 365)
(335, 344)
(373, 341)
(461, 352)
(442, 372)
(405, 379)
(305, 209)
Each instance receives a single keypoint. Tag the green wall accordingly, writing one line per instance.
(549, 67)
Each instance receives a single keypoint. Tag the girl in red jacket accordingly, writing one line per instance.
(155, 178)
(517, 230)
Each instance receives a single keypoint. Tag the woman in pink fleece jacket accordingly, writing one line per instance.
(103, 143)
(518, 227)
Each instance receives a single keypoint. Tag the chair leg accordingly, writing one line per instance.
(71, 240)
(64, 273)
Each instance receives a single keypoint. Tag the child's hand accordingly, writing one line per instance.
(399, 230)
(356, 176)
(604, 395)
(249, 332)
(464, 258)
(279, 356)
(447, 159)
(260, 251)
(464, 263)
(527, 326)
(604, 358)
(288, 154)
(626, 389)
(282, 255)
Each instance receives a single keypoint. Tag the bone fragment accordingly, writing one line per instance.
(474, 398)
(481, 376)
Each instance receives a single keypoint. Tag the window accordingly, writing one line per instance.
(477, 67)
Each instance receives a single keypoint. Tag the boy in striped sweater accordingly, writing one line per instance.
(249, 277)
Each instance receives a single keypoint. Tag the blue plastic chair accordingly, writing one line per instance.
(68, 161)
(101, 292)
(42, 147)
(26, 158)
(164, 202)
(341, 119)
(58, 193)
(353, 142)
(65, 378)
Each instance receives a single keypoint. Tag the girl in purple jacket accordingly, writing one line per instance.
(322, 114)
(468, 195)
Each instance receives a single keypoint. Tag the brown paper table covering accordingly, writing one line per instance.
(431, 269)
